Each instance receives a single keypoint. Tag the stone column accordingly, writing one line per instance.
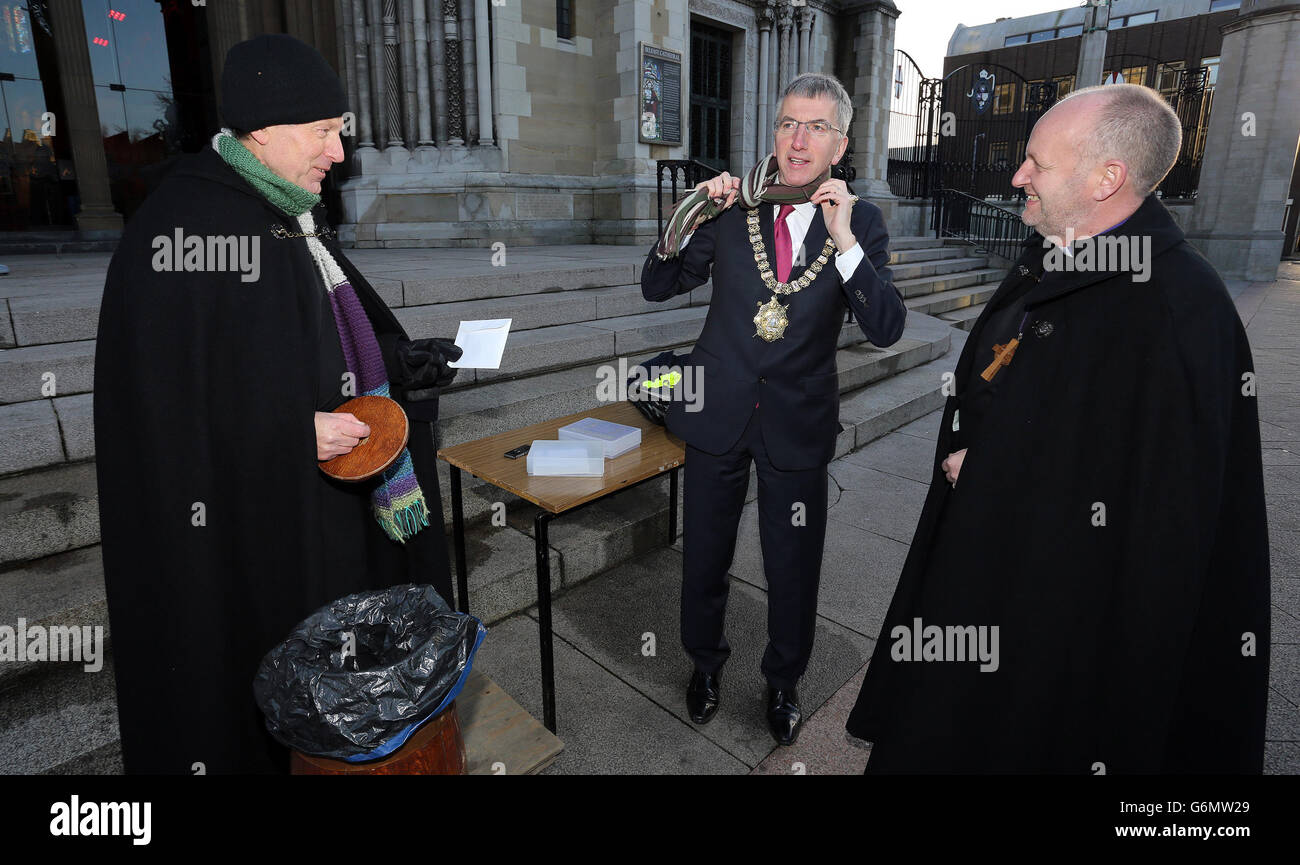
(1251, 144)
(375, 35)
(424, 104)
(763, 146)
(438, 68)
(484, 66)
(805, 29)
(455, 86)
(872, 24)
(469, 74)
(392, 77)
(1092, 47)
(347, 57)
(360, 47)
(80, 119)
(410, 79)
(783, 22)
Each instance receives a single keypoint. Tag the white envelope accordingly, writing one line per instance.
(483, 343)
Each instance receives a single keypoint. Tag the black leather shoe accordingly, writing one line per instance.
(703, 696)
(783, 716)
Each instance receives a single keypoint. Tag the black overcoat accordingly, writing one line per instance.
(1109, 519)
(219, 531)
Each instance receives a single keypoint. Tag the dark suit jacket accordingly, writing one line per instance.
(794, 377)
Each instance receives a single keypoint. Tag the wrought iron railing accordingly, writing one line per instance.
(994, 229)
(691, 171)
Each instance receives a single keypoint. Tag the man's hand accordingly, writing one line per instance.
(952, 465)
(718, 187)
(337, 434)
(837, 208)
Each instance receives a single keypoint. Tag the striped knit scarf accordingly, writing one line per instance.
(397, 499)
(759, 185)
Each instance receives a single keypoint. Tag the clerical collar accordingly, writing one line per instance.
(1069, 250)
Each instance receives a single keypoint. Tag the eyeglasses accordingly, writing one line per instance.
(816, 128)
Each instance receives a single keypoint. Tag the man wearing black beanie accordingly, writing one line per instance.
(231, 325)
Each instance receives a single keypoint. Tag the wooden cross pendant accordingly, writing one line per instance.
(1002, 355)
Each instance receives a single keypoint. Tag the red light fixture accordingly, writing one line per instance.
(100, 40)
(116, 16)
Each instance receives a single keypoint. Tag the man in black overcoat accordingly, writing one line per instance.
(1088, 587)
(218, 365)
(769, 391)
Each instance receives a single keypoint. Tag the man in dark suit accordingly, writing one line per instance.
(767, 359)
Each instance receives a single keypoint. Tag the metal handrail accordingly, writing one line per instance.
(692, 172)
(994, 229)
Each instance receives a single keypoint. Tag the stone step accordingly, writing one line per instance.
(910, 254)
(965, 317)
(466, 281)
(937, 267)
(946, 301)
(929, 285)
(61, 590)
(900, 399)
(61, 720)
(40, 371)
(915, 242)
(45, 432)
(69, 316)
(48, 511)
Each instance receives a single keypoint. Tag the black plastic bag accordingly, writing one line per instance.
(650, 387)
(358, 676)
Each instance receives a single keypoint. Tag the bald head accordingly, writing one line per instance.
(1127, 123)
(1093, 158)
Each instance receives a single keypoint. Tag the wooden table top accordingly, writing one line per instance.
(658, 452)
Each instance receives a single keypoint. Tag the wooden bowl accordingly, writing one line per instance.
(389, 432)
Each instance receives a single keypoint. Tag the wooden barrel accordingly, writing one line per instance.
(437, 748)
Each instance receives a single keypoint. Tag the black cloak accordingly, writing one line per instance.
(1108, 519)
(219, 531)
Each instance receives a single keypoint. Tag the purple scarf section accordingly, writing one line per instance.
(398, 501)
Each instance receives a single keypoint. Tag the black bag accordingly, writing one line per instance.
(358, 676)
(650, 387)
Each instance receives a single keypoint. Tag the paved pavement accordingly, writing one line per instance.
(620, 670)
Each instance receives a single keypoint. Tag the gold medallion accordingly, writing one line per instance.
(771, 320)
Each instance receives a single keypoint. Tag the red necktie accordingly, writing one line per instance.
(784, 250)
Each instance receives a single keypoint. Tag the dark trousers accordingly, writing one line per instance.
(791, 540)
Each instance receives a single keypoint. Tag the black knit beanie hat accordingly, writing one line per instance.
(276, 79)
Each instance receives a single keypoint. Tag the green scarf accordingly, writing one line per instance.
(284, 194)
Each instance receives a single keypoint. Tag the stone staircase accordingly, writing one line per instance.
(570, 318)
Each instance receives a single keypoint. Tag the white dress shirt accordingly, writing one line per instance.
(798, 222)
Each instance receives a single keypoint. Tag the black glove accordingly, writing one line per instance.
(422, 367)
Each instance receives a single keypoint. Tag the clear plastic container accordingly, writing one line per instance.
(571, 459)
(617, 438)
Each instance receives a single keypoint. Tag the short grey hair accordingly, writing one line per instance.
(812, 85)
(1135, 125)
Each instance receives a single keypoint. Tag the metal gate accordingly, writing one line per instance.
(913, 127)
(966, 131)
(987, 113)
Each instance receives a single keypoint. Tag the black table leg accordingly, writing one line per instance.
(540, 526)
(458, 540)
(672, 505)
